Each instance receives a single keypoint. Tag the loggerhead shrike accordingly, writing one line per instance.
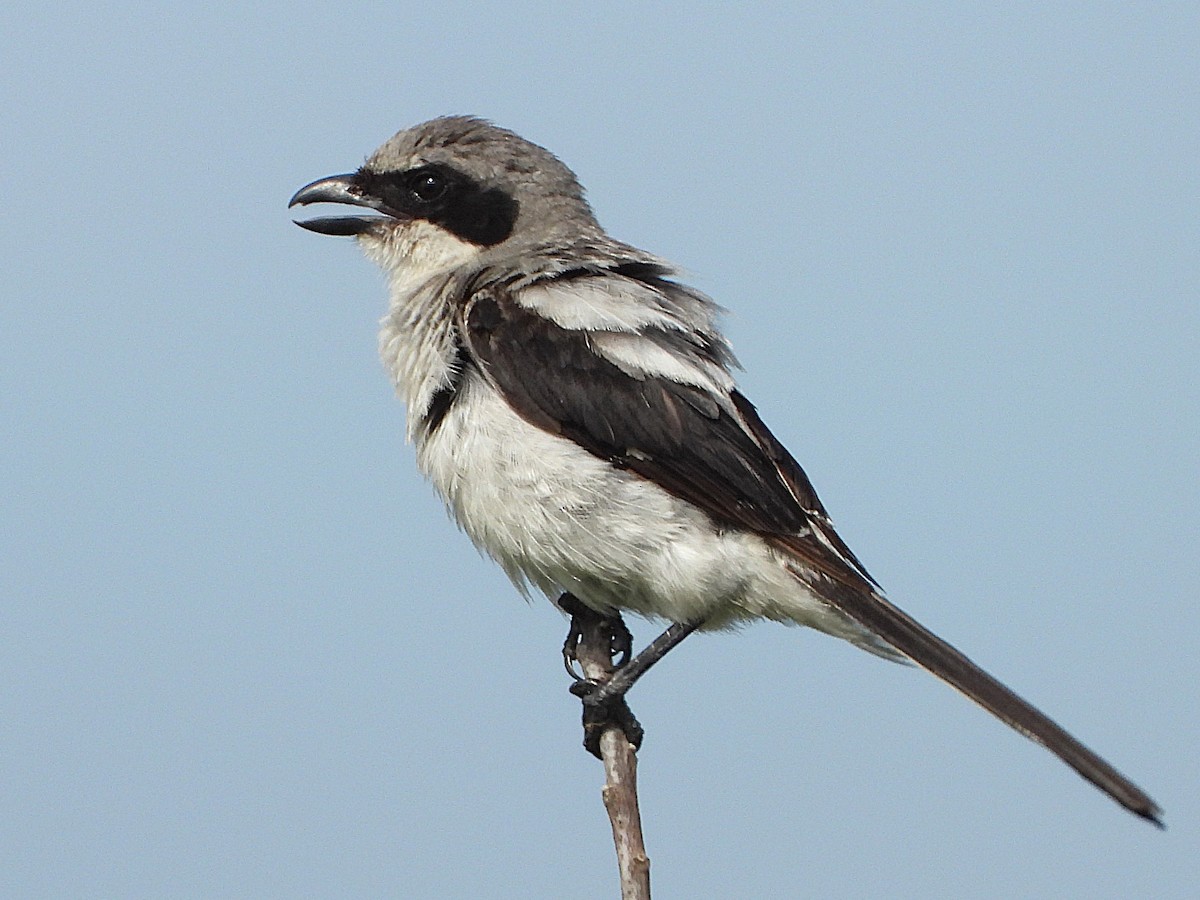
(574, 407)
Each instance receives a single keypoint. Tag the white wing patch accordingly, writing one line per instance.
(640, 357)
(599, 304)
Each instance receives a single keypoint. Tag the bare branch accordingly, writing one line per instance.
(620, 766)
(621, 801)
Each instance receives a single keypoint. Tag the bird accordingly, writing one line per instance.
(574, 404)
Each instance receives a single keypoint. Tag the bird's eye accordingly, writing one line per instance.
(427, 187)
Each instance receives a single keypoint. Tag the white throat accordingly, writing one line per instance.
(416, 337)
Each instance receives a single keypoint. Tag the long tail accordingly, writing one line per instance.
(929, 651)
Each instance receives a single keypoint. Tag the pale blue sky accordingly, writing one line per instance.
(245, 653)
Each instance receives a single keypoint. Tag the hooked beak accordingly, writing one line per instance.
(340, 189)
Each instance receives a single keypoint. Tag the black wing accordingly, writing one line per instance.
(713, 452)
(677, 435)
(717, 454)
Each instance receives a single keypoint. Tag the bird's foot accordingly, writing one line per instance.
(601, 647)
(620, 639)
(597, 646)
(602, 711)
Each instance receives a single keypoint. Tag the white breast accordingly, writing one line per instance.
(557, 518)
(554, 516)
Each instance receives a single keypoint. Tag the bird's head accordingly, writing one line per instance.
(451, 190)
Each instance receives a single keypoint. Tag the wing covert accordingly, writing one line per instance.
(684, 436)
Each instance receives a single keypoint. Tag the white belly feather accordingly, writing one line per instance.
(557, 518)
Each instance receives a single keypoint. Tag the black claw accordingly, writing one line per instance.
(620, 638)
(622, 641)
(602, 712)
(570, 650)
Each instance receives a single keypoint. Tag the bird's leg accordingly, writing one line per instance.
(593, 641)
(625, 677)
